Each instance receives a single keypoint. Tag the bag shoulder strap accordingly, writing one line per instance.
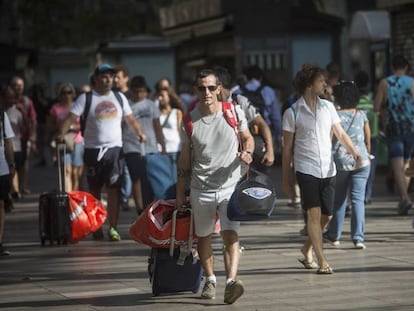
(166, 119)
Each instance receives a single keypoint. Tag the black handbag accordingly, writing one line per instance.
(254, 198)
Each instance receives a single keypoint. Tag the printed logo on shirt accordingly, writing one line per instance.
(106, 110)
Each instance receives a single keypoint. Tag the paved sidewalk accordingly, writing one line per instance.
(103, 275)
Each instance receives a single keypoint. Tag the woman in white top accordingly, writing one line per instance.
(170, 119)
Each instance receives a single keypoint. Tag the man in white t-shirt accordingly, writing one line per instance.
(104, 158)
(212, 160)
(7, 166)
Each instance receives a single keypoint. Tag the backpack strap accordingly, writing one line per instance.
(84, 116)
(119, 98)
(230, 114)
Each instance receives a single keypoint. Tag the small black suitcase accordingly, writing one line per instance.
(54, 210)
(175, 270)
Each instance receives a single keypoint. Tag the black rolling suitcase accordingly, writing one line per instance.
(177, 269)
(54, 210)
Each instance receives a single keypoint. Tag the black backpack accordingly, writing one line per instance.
(255, 97)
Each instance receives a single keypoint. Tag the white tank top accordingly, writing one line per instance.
(170, 131)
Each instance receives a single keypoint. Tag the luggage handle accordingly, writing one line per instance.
(61, 166)
(173, 229)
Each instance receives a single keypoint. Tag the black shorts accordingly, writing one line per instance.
(136, 166)
(317, 192)
(107, 171)
(5, 187)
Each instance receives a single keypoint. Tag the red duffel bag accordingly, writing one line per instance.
(153, 226)
(87, 214)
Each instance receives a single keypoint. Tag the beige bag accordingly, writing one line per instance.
(70, 141)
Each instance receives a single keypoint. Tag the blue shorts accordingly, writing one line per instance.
(317, 192)
(401, 146)
(75, 158)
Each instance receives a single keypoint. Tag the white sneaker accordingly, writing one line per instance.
(359, 245)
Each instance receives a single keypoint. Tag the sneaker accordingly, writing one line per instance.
(404, 206)
(233, 291)
(326, 239)
(4, 252)
(113, 234)
(125, 206)
(359, 245)
(209, 290)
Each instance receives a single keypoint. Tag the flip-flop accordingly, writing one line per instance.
(325, 270)
(308, 264)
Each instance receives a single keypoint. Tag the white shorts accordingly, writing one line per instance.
(205, 205)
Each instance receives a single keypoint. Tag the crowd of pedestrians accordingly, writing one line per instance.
(115, 127)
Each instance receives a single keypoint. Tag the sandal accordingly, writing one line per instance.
(325, 270)
(308, 264)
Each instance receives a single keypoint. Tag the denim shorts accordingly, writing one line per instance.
(317, 192)
(75, 158)
(401, 146)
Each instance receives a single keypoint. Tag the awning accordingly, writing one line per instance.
(370, 25)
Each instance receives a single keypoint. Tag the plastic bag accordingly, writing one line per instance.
(87, 214)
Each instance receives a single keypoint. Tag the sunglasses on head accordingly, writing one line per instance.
(211, 88)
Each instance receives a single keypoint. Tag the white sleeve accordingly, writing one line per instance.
(7, 127)
(288, 123)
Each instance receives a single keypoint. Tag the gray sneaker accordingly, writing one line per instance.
(404, 206)
(233, 291)
(209, 290)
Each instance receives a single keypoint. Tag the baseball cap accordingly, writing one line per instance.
(104, 68)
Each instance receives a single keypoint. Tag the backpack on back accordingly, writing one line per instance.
(366, 104)
(255, 97)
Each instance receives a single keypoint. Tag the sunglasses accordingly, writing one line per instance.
(211, 88)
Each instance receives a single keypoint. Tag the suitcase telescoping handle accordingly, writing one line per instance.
(173, 229)
(61, 152)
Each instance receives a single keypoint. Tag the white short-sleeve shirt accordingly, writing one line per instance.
(103, 125)
(8, 133)
(312, 150)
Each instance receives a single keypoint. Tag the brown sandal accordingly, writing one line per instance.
(308, 264)
(325, 270)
